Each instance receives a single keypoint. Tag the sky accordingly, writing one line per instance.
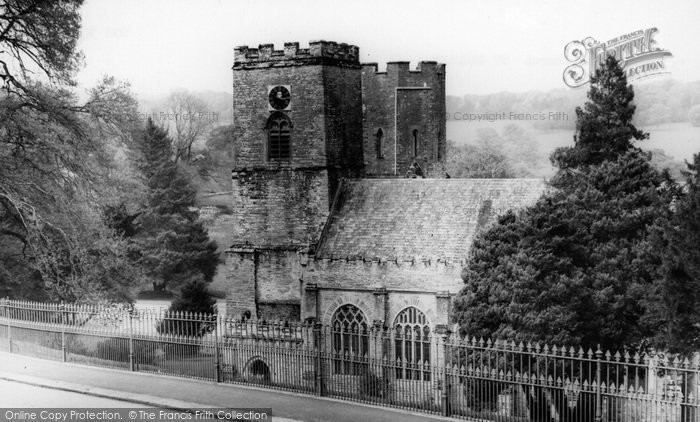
(488, 46)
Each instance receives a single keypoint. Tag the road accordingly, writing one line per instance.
(15, 394)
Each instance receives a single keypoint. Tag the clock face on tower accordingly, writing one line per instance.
(279, 97)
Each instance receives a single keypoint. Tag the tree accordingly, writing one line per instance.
(573, 268)
(514, 153)
(38, 37)
(54, 161)
(191, 122)
(658, 113)
(576, 267)
(477, 161)
(173, 246)
(522, 150)
(604, 128)
(213, 164)
(674, 306)
(660, 160)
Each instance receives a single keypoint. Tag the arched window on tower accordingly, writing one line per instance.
(412, 345)
(279, 146)
(350, 340)
(379, 137)
(415, 142)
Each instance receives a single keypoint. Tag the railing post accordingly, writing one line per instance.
(132, 366)
(318, 341)
(62, 309)
(444, 334)
(9, 326)
(598, 380)
(217, 362)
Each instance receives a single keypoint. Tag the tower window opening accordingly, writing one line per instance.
(415, 142)
(278, 137)
(380, 143)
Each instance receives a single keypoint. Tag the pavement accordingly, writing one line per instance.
(185, 394)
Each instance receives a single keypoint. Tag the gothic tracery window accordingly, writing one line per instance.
(350, 340)
(278, 137)
(412, 345)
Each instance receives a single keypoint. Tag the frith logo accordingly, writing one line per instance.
(637, 52)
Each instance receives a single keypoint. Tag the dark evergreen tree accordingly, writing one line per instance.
(576, 267)
(118, 218)
(174, 247)
(604, 128)
(674, 305)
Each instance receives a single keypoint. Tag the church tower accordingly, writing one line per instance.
(297, 132)
(404, 119)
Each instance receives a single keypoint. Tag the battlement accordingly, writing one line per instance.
(408, 273)
(319, 52)
(427, 68)
(406, 261)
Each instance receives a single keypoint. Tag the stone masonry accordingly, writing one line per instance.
(332, 221)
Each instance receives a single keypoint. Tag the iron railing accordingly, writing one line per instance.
(428, 369)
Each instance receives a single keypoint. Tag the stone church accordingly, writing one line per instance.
(342, 210)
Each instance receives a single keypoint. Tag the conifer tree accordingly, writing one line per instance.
(604, 128)
(577, 266)
(174, 247)
(674, 305)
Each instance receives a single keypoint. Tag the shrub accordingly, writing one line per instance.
(181, 319)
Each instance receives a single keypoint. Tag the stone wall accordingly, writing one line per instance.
(307, 115)
(419, 106)
(325, 108)
(241, 294)
(264, 282)
(279, 207)
(319, 52)
(424, 276)
(343, 117)
(379, 305)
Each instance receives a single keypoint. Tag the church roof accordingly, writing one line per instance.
(404, 219)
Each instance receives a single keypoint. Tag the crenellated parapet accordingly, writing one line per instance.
(407, 261)
(402, 69)
(409, 273)
(319, 52)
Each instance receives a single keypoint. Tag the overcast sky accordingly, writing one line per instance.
(488, 46)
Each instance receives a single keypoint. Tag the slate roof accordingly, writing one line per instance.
(403, 219)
